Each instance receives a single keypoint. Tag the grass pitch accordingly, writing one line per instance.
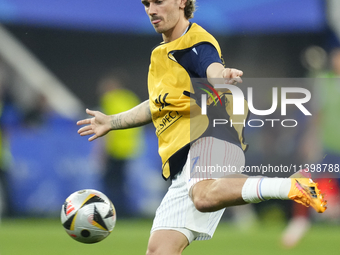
(46, 236)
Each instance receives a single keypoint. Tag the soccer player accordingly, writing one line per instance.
(194, 204)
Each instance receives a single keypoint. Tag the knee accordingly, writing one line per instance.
(152, 250)
(157, 250)
(203, 196)
(202, 203)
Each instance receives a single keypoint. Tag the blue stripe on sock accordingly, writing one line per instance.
(260, 192)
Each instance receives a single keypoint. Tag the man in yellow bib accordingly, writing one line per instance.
(194, 203)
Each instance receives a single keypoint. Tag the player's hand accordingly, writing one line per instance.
(232, 76)
(97, 126)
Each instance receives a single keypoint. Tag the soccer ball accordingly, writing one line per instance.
(88, 216)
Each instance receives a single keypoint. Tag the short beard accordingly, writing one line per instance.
(160, 31)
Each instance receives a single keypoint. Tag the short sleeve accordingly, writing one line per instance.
(206, 54)
(197, 59)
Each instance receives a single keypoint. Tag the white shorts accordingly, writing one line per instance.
(177, 211)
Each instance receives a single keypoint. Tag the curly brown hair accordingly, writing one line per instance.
(189, 9)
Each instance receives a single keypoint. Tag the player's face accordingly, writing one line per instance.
(164, 14)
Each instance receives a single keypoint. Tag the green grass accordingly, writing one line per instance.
(47, 237)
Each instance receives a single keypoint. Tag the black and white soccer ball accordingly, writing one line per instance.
(88, 216)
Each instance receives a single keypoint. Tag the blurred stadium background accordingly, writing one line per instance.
(59, 57)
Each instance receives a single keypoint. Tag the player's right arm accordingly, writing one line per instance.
(100, 124)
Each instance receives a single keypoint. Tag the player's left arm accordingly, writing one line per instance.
(207, 63)
(216, 72)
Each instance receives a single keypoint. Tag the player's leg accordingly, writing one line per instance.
(210, 194)
(215, 179)
(214, 194)
(166, 242)
(177, 222)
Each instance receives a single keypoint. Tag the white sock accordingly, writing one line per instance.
(257, 189)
